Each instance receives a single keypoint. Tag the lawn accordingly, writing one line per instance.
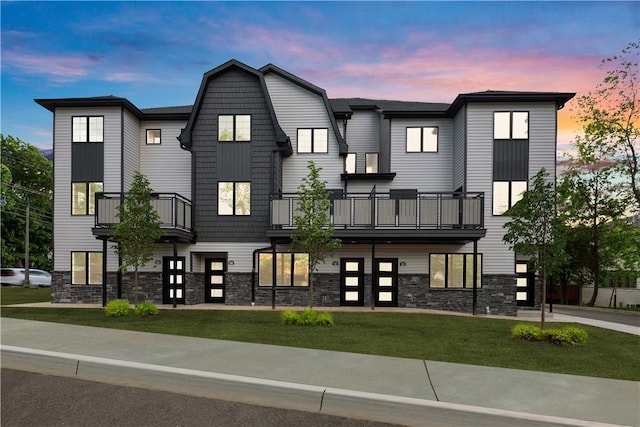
(477, 341)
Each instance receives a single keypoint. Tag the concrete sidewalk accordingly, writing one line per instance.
(394, 390)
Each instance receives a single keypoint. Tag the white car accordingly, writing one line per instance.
(15, 277)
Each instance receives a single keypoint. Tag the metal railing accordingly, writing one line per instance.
(174, 210)
(384, 211)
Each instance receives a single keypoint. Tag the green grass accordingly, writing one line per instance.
(21, 295)
(478, 341)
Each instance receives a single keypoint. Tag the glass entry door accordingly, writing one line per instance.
(385, 282)
(352, 281)
(214, 291)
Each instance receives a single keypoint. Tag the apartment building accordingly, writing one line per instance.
(418, 193)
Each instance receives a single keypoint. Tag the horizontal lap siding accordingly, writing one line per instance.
(131, 150)
(296, 108)
(459, 147)
(363, 136)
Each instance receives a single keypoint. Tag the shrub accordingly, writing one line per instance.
(145, 308)
(567, 335)
(289, 317)
(117, 307)
(325, 319)
(526, 332)
(308, 317)
(576, 335)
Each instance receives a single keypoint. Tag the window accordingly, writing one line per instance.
(507, 194)
(422, 140)
(87, 129)
(83, 197)
(453, 271)
(511, 125)
(371, 162)
(292, 269)
(234, 128)
(350, 163)
(234, 198)
(86, 268)
(153, 136)
(313, 140)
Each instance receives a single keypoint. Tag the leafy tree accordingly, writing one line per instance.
(610, 117)
(313, 233)
(138, 229)
(535, 230)
(27, 180)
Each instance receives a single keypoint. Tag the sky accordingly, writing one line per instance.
(155, 53)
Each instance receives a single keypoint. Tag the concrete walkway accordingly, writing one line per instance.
(394, 390)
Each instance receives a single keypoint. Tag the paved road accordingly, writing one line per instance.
(34, 400)
(631, 318)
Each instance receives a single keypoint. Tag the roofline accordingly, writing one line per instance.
(52, 104)
(560, 98)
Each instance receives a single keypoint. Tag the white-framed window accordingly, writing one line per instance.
(313, 140)
(87, 129)
(234, 198)
(350, 163)
(153, 136)
(86, 268)
(234, 128)
(422, 139)
(292, 269)
(511, 125)
(371, 162)
(454, 271)
(83, 197)
(507, 194)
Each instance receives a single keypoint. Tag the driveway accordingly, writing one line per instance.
(631, 318)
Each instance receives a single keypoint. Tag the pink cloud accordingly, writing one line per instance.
(58, 68)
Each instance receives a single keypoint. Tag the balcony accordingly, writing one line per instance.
(400, 216)
(173, 209)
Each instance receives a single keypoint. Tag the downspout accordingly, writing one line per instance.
(253, 274)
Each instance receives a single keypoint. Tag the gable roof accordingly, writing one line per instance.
(343, 148)
(282, 140)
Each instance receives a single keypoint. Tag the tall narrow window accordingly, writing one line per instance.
(422, 139)
(153, 136)
(234, 128)
(350, 163)
(87, 129)
(371, 162)
(234, 198)
(313, 140)
(86, 268)
(83, 196)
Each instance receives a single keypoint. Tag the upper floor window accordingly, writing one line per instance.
(234, 128)
(234, 198)
(454, 271)
(350, 163)
(83, 197)
(87, 129)
(422, 139)
(507, 194)
(153, 136)
(510, 125)
(313, 140)
(371, 162)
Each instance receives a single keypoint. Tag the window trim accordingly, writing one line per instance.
(465, 255)
(159, 137)
(293, 270)
(511, 114)
(88, 131)
(235, 208)
(313, 138)
(422, 139)
(510, 195)
(235, 128)
(87, 188)
(87, 263)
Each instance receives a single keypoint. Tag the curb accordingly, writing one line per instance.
(272, 393)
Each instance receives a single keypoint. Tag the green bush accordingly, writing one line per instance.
(567, 335)
(145, 308)
(308, 317)
(526, 332)
(576, 335)
(117, 307)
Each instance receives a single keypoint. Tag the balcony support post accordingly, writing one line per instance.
(373, 274)
(273, 275)
(175, 266)
(104, 272)
(475, 276)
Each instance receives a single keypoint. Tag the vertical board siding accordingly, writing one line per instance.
(459, 148)
(363, 136)
(167, 166)
(131, 150)
(422, 171)
(295, 108)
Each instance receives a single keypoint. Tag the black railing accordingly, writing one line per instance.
(391, 211)
(173, 209)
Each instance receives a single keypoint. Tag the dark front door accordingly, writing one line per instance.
(173, 280)
(525, 284)
(385, 282)
(352, 281)
(214, 280)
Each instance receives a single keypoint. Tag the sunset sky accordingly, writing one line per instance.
(155, 53)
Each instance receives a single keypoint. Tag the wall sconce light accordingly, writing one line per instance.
(158, 262)
(334, 263)
(403, 264)
(231, 262)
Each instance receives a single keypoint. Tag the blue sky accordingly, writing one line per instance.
(155, 53)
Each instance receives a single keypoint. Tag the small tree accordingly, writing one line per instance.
(138, 229)
(313, 233)
(534, 229)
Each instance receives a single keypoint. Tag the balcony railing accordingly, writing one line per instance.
(173, 209)
(383, 211)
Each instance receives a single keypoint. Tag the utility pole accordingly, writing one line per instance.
(26, 248)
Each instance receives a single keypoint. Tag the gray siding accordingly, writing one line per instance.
(459, 149)
(363, 136)
(296, 108)
(130, 146)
